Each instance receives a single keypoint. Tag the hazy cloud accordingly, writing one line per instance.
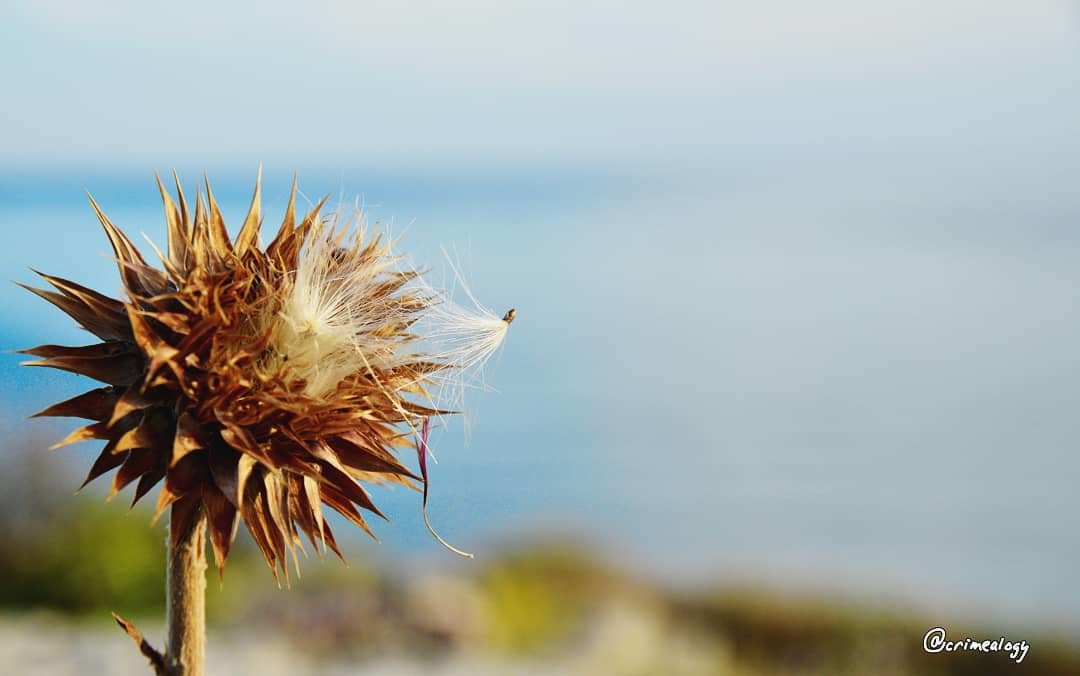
(494, 80)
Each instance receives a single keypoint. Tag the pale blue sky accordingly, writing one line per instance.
(518, 84)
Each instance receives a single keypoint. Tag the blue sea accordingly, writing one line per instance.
(862, 376)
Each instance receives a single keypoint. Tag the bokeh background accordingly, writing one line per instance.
(795, 374)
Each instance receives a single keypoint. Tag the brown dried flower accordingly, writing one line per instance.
(260, 383)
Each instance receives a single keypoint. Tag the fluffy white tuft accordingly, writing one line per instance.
(332, 321)
(463, 336)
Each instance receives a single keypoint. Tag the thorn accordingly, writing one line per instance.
(157, 660)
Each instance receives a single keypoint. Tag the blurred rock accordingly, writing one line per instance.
(444, 611)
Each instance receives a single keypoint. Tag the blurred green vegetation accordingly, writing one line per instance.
(76, 554)
(536, 598)
(87, 559)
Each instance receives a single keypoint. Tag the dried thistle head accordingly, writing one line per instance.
(259, 383)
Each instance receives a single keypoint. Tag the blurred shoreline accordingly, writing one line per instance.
(544, 610)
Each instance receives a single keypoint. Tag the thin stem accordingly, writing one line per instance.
(185, 653)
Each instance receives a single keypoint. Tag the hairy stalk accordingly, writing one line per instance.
(185, 651)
